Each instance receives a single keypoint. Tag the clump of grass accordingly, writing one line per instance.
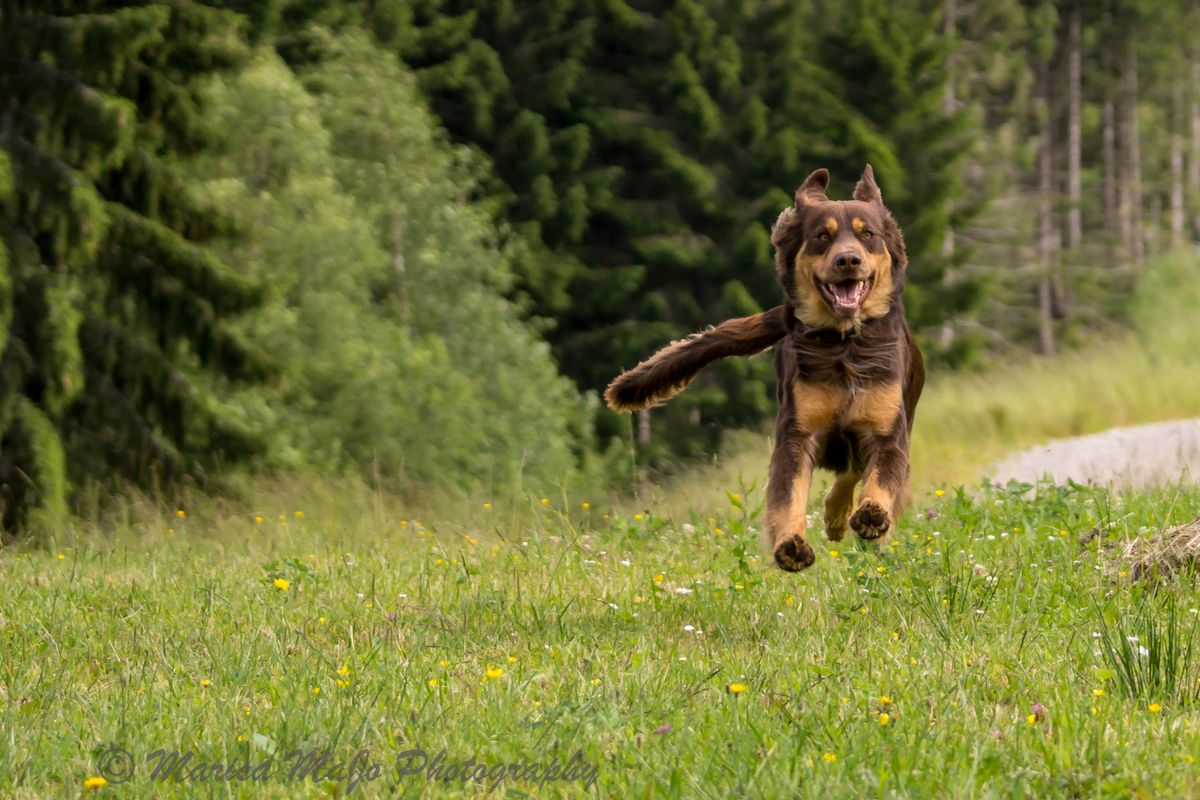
(1150, 648)
(1159, 555)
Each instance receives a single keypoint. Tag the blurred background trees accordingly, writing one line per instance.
(412, 238)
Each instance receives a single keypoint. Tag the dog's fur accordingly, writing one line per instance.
(849, 371)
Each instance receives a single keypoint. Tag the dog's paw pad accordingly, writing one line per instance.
(870, 521)
(794, 554)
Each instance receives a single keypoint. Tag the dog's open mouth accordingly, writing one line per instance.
(845, 297)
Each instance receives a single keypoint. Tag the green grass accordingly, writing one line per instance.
(618, 638)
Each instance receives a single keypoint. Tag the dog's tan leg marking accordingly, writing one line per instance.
(839, 503)
(787, 499)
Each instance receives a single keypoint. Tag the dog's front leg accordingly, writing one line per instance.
(787, 494)
(885, 487)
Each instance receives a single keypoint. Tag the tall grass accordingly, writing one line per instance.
(1150, 646)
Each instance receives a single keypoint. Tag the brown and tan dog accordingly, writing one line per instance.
(848, 369)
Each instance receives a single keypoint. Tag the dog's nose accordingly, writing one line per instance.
(847, 260)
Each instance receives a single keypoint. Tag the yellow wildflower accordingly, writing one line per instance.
(495, 673)
(884, 718)
(94, 782)
(737, 688)
(1154, 708)
(281, 584)
(829, 758)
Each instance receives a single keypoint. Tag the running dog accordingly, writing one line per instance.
(848, 368)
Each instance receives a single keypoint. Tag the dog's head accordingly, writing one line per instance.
(841, 263)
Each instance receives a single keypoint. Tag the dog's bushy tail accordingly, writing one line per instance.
(668, 372)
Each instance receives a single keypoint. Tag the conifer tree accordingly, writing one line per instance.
(117, 353)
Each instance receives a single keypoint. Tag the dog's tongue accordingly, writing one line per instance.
(846, 293)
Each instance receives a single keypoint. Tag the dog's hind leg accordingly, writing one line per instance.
(883, 491)
(839, 503)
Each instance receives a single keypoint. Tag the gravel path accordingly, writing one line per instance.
(1164, 452)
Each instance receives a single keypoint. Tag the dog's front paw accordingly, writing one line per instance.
(794, 554)
(870, 520)
(835, 530)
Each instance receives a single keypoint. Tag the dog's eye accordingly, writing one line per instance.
(823, 236)
(866, 235)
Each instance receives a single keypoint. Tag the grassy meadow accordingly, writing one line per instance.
(307, 633)
(986, 653)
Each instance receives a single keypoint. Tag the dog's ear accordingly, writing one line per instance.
(813, 188)
(893, 238)
(866, 190)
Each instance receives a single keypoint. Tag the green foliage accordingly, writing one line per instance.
(641, 151)
(401, 356)
(117, 350)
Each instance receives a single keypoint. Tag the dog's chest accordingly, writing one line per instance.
(828, 406)
(851, 383)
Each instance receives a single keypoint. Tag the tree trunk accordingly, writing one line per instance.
(949, 99)
(1112, 219)
(1178, 212)
(401, 266)
(1132, 182)
(1047, 241)
(643, 426)
(1193, 101)
(1108, 117)
(1074, 127)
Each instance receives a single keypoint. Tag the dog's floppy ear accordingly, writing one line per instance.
(813, 188)
(866, 190)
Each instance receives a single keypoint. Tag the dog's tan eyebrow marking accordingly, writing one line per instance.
(831, 226)
(858, 225)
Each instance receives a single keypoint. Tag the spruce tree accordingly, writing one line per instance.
(117, 353)
(890, 69)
